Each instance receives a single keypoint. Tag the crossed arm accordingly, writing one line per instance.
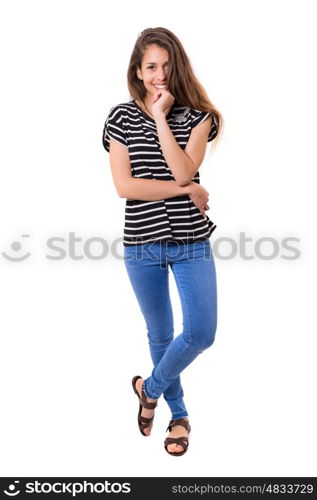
(183, 165)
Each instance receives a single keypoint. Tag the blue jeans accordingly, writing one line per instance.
(195, 276)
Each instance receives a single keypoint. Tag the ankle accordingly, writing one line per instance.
(150, 400)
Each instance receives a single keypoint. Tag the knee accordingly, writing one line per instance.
(204, 337)
(209, 340)
(160, 336)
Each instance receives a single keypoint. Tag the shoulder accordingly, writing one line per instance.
(193, 117)
(117, 111)
(115, 124)
(199, 116)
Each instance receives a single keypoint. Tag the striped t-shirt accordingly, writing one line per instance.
(175, 219)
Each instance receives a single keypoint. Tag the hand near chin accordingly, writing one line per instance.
(162, 102)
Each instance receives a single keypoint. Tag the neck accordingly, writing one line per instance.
(148, 106)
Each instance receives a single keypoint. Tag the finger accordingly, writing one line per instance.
(157, 94)
(156, 97)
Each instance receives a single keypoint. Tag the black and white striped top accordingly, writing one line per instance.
(174, 219)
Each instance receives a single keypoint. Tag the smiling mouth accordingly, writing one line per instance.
(159, 86)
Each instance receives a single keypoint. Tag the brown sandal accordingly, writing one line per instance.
(182, 441)
(143, 422)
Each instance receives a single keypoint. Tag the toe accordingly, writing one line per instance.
(175, 448)
(179, 449)
(171, 447)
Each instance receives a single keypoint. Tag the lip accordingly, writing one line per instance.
(160, 85)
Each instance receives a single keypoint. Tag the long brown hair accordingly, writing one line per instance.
(181, 80)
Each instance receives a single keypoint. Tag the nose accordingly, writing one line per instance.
(162, 74)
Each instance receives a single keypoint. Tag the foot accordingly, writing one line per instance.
(177, 431)
(145, 412)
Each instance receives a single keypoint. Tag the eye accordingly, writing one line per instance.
(149, 67)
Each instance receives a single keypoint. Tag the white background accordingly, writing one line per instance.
(72, 335)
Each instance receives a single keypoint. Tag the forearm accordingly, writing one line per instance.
(177, 160)
(152, 189)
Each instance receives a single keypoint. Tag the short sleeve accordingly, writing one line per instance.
(114, 128)
(199, 117)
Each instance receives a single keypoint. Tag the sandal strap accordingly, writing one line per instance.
(145, 419)
(142, 399)
(148, 406)
(143, 422)
(144, 426)
(182, 441)
(179, 421)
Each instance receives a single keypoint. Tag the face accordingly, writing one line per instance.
(154, 69)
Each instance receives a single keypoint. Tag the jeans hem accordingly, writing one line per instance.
(176, 416)
(148, 393)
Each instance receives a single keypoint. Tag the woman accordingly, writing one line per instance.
(157, 141)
